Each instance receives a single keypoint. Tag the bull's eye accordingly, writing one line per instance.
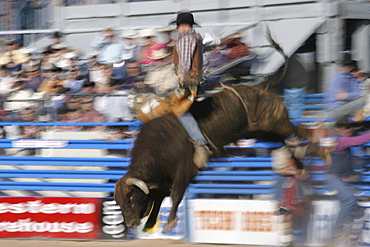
(130, 198)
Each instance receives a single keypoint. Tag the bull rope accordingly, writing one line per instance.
(241, 99)
(246, 111)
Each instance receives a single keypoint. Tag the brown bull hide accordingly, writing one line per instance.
(162, 154)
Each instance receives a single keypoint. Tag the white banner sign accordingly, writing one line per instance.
(233, 222)
(35, 143)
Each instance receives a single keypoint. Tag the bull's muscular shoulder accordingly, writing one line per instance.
(160, 133)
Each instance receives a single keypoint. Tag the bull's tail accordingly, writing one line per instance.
(272, 80)
(313, 150)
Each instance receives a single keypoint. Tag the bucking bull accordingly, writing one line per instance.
(162, 161)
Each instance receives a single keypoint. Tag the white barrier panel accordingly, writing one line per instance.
(322, 218)
(365, 234)
(233, 222)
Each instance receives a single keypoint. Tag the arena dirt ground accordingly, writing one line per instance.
(133, 243)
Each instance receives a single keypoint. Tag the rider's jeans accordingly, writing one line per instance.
(191, 126)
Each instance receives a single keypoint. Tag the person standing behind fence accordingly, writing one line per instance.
(290, 189)
(343, 86)
(350, 218)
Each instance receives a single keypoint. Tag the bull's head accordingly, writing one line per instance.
(131, 194)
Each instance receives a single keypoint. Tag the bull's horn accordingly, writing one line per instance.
(138, 183)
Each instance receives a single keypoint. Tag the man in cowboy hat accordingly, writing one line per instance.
(187, 58)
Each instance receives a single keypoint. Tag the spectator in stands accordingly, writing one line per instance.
(54, 84)
(73, 102)
(148, 45)
(102, 77)
(70, 113)
(169, 41)
(68, 59)
(340, 173)
(130, 46)
(23, 132)
(21, 93)
(109, 49)
(115, 108)
(130, 52)
(56, 38)
(57, 56)
(33, 77)
(162, 77)
(6, 81)
(93, 67)
(216, 57)
(13, 57)
(46, 61)
(74, 81)
(88, 87)
(89, 114)
(235, 49)
(343, 86)
(133, 72)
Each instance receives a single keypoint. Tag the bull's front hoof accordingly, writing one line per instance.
(170, 225)
(150, 227)
(149, 230)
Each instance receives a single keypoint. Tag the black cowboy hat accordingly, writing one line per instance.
(56, 69)
(347, 60)
(343, 122)
(184, 18)
(57, 35)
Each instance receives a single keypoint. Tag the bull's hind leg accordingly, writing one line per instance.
(176, 196)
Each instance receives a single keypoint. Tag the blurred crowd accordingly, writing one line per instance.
(84, 2)
(46, 80)
(60, 84)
